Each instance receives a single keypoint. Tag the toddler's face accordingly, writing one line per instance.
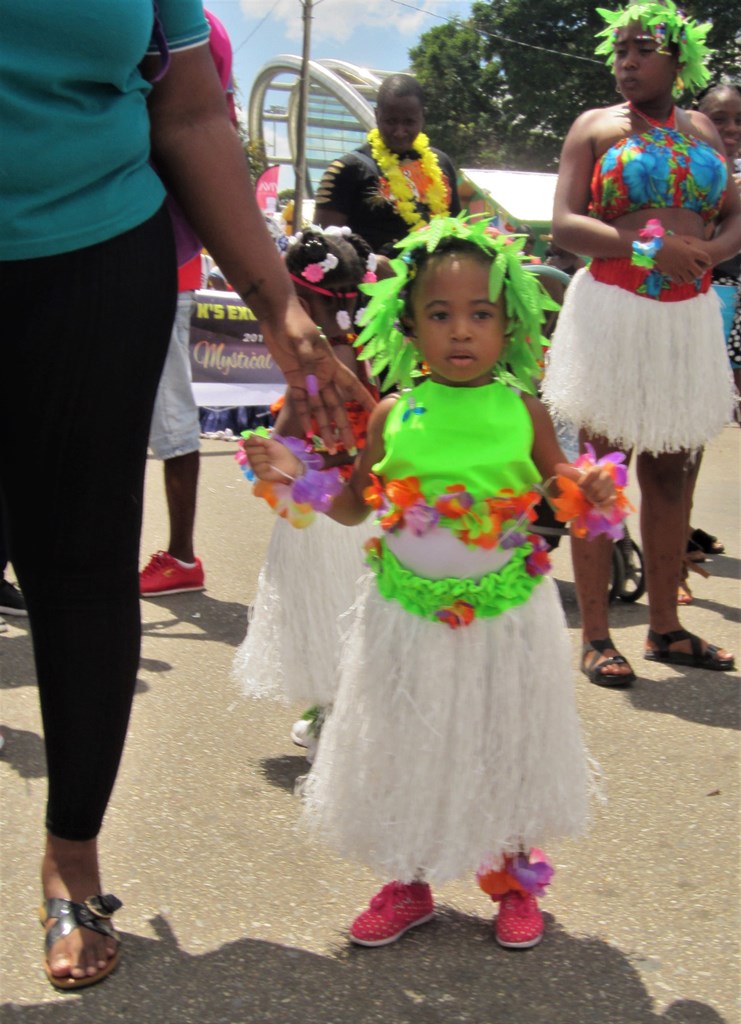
(458, 329)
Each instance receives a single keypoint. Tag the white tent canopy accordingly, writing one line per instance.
(523, 196)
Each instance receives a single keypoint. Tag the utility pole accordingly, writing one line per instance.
(303, 104)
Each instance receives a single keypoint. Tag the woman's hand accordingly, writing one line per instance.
(271, 461)
(200, 157)
(319, 383)
(683, 258)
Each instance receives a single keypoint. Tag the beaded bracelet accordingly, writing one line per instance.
(644, 253)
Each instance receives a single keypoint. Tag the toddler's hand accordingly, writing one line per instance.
(598, 487)
(272, 461)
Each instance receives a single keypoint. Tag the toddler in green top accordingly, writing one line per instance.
(453, 744)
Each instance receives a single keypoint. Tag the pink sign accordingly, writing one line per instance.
(266, 189)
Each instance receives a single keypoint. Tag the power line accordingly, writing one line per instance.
(496, 35)
(256, 28)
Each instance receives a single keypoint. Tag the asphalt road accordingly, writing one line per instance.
(231, 915)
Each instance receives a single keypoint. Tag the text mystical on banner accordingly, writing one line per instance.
(230, 363)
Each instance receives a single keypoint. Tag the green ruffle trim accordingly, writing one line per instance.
(455, 602)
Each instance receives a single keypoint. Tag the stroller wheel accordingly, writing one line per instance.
(628, 580)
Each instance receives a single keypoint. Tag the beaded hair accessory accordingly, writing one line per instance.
(387, 345)
(667, 24)
(316, 260)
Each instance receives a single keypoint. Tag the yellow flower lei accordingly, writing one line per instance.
(435, 197)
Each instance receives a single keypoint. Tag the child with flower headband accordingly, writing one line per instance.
(453, 744)
(308, 579)
(637, 360)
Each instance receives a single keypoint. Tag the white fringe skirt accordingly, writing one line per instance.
(446, 748)
(647, 375)
(292, 648)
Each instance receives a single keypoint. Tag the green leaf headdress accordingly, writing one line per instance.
(393, 353)
(667, 24)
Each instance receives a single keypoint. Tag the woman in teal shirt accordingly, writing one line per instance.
(87, 255)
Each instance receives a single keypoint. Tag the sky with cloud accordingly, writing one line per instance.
(376, 33)
(337, 21)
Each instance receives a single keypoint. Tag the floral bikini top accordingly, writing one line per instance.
(658, 169)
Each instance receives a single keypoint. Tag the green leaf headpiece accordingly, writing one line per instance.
(393, 353)
(667, 24)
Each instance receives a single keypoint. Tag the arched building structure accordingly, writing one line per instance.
(340, 111)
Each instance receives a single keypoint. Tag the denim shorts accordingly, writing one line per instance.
(175, 428)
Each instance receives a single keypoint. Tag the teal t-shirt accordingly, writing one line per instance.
(74, 155)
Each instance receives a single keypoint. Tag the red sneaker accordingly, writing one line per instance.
(519, 923)
(165, 575)
(393, 911)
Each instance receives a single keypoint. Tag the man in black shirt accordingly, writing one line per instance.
(388, 186)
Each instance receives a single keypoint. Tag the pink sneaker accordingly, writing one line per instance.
(165, 575)
(519, 923)
(393, 911)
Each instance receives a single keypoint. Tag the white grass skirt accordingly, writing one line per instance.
(447, 748)
(307, 582)
(647, 375)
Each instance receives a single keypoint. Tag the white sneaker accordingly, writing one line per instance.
(3, 625)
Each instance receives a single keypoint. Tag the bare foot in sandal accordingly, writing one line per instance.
(603, 665)
(86, 947)
(679, 647)
(684, 594)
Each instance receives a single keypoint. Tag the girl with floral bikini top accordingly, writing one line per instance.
(643, 190)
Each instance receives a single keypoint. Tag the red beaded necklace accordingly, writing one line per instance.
(668, 123)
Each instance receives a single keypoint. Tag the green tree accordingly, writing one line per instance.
(256, 157)
(724, 37)
(541, 49)
(504, 85)
(463, 88)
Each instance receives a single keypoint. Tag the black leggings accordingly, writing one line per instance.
(83, 337)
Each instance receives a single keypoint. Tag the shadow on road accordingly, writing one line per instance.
(197, 616)
(448, 971)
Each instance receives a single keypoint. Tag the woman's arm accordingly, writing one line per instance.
(726, 240)
(200, 157)
(573, 229)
